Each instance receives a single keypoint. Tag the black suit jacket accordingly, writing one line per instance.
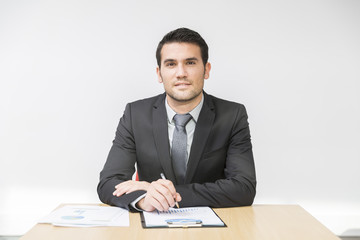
(220, 171)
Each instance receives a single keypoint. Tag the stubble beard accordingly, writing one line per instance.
(183, 99)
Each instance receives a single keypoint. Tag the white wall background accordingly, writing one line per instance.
(67, 69)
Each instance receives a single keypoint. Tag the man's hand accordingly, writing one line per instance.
(130, 186)
(161, 195)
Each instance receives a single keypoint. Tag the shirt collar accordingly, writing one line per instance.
(194, 113)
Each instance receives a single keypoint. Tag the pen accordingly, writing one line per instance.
(163, 177)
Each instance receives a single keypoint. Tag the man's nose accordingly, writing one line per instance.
(181, 71)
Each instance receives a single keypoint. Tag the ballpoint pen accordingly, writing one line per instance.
(163, 177)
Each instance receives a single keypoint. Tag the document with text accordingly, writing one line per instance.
(87, 216)
(182, 217)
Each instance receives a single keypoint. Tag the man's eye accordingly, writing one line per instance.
(191, 63)
(170, 64)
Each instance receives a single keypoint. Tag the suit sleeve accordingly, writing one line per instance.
(120, 165)
(238, 187)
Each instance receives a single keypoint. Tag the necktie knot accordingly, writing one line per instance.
(182, 119)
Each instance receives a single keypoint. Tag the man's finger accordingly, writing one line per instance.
(168, 184)
(178, 197)
(168, 197)
(162, 195)
(155, 199)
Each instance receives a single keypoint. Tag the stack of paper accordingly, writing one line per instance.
(205, 215)
(87, 216)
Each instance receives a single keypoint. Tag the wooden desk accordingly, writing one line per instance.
(260, 222)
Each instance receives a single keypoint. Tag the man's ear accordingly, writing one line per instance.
(207, 70)
(158, 73)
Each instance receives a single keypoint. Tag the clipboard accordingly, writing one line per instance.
(182, 218)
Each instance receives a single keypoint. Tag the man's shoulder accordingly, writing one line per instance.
(226, 110)
(148, 102)
(220, 103)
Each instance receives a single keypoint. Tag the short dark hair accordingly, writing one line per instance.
(184, 35)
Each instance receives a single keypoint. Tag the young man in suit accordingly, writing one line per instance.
(207, 159)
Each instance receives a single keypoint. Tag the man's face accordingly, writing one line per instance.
(182, 71)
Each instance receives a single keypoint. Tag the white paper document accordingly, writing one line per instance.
(87, 216)
(203, 215)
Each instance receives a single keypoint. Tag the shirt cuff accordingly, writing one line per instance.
(133, 203)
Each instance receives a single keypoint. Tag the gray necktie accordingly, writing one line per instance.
(179, 146)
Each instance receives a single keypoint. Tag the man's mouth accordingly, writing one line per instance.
(182, 84)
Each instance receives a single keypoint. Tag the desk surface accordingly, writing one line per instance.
(255, 222)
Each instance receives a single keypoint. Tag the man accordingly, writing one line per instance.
(207, 159)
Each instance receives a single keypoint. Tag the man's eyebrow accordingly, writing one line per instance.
(192, 59)
(187, 59)
(169, 60)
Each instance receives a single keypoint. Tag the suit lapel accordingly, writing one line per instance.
(161, 137)
(201, 134)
